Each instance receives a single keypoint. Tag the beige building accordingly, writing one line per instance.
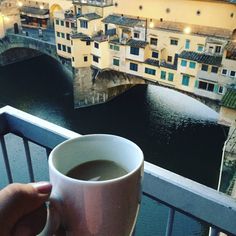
(154, 40)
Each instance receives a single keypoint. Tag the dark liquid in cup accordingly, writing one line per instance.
(97, 170)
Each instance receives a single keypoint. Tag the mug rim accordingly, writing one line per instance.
(93, 182)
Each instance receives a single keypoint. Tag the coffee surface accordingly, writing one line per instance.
(97, 170)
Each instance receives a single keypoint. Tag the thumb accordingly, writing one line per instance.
(19, 200)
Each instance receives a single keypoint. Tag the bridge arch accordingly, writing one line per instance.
(16, 41)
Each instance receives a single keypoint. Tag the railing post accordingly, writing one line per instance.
(214, 232)
(6, 159)
(170, 222)
(28, 158)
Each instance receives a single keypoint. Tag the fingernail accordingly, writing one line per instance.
(42, 187)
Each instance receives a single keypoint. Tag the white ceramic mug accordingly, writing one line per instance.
(101, 208)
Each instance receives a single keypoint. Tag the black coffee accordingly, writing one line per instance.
(97, 170)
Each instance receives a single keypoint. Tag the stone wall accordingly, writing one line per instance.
(92, 87)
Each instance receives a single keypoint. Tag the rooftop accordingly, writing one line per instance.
(122, 20)
(195, 29)
(34, 11)
(229, 99)
(90, 16)
(152, 62)
(81, 36)
(201, 58)
(136, 43)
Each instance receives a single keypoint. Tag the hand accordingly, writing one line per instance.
(22, 208)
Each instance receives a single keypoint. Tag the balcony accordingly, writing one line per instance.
(34, 138)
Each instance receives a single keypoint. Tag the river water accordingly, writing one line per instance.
(174, 131)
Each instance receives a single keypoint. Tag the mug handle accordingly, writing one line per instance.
(53, 224)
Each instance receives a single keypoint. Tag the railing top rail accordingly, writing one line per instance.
(33, 128)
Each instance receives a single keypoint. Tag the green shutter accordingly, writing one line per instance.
(196, 83)
(216, 87)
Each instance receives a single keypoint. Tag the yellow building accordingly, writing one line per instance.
(156, 41)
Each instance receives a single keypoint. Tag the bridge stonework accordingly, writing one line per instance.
(92, 87)
(13, 41)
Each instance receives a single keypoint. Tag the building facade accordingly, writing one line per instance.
(192, 52)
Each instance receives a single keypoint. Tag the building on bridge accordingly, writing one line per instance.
(192, 52)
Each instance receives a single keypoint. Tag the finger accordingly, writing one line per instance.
(18, 200)
(31, 224)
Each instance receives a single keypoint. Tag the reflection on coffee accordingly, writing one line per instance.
(97, 170)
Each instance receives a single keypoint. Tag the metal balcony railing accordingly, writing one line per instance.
(35, 138)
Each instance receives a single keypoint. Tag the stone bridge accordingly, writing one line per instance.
(22, 43)
(91, 86)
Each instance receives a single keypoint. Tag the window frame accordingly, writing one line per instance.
(206, 66)
(191, 63)
(153, 41)
(174, 42)
(185, 80)
(133, 66)
(134, 51)
(150, 71)
(116, 62)
(183, 62)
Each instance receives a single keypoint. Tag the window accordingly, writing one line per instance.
(200, 48)
(85, 58)
(73, 25)
(62, 23)
(69, 49)
(84, 24)
(150, 71)
(116, 62)
(58, 34)
(220, 89)
(206, 86)
(136, 35)
(183, 63)
(95, 59)
(67, 24)
(153, 41)
(134, 51)
(214, 69)
(59, 46)
(57, 22)
(68, 36)
(218, 49)
(224, 72)
(64, 48)
(155, 54)
(96, 45)
(171, 77)
(133, 66)
(63, 35)
(210, 50)
(173, 41)
(185, 80)
(232, 73)
(204, 67)
(187, 44)
(87, 42)
(163, 75)
(116, 48)
(73, 59)
(192, 64)
(169, 58)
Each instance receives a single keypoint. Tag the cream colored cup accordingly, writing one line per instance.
(98, 208)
